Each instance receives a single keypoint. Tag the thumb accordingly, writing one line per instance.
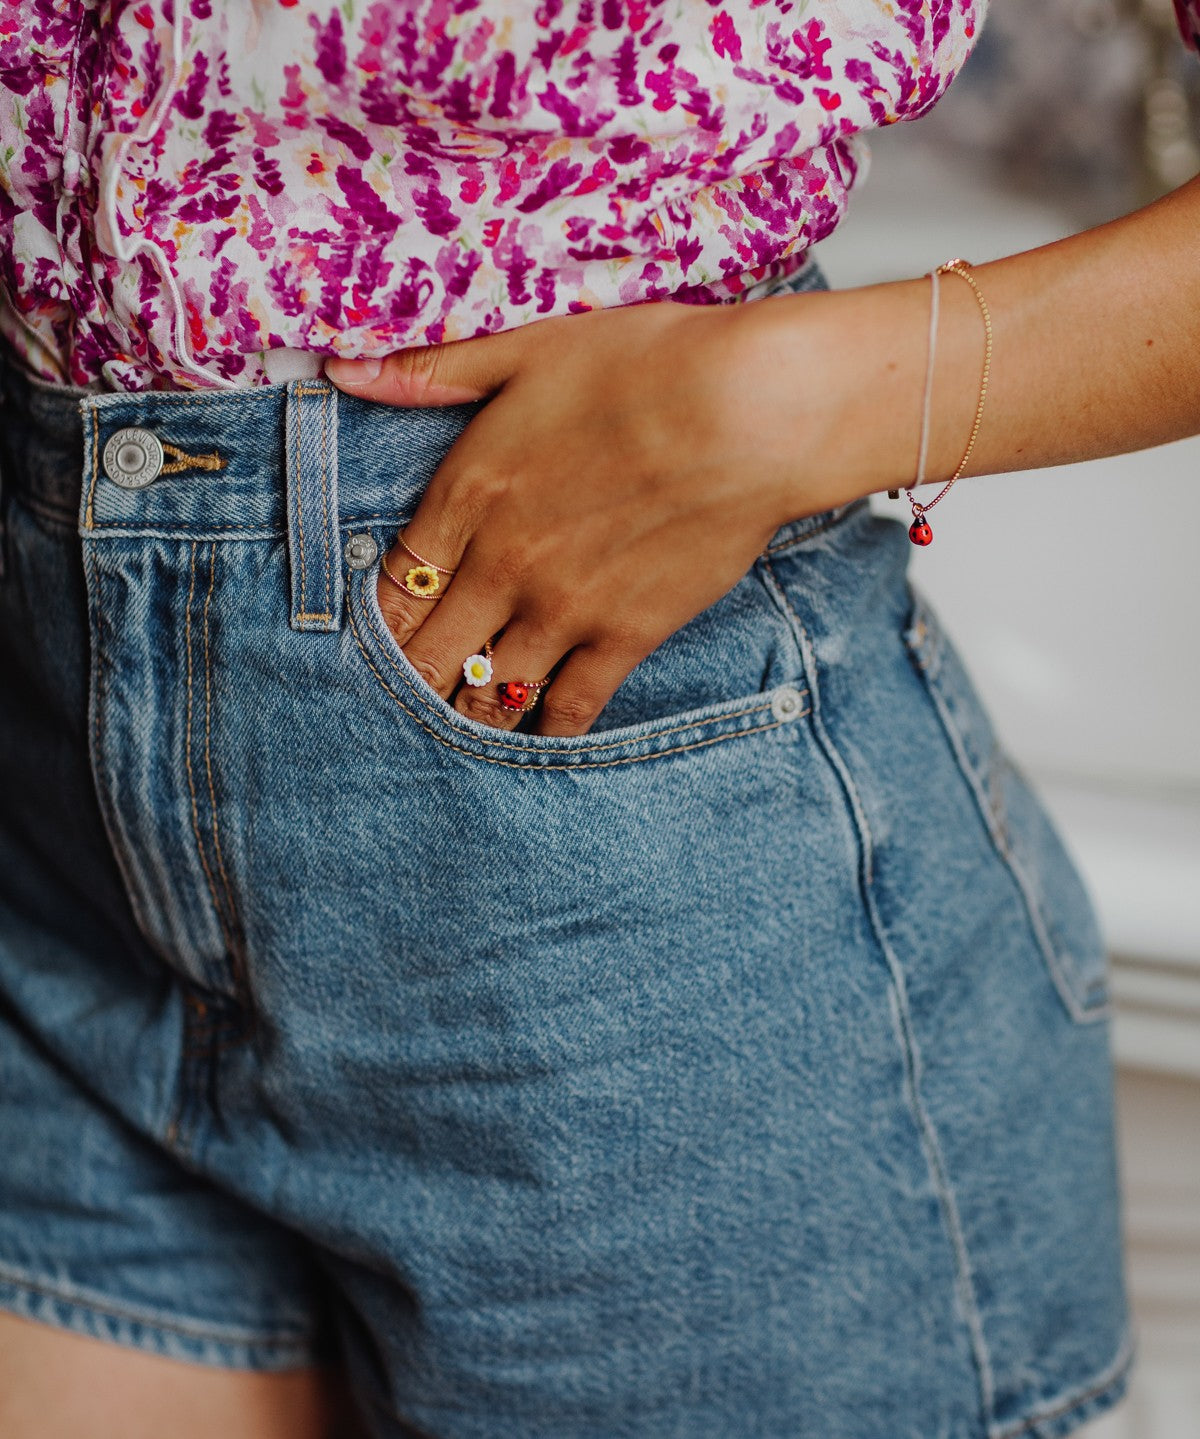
(433, 374)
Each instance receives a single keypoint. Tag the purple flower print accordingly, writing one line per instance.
(545, 291)
(502, 85)
(362, 177)
(329, 54)
(191, 101)
(725, 39)
(355, 140)
(518, 269)
(625, 70)
(434, 209)
(561, 175)
(364, 204)
(267, 173)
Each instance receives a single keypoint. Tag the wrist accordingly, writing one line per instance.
(843, 373)
(852, 364)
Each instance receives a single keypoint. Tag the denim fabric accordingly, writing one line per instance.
(738, 1068)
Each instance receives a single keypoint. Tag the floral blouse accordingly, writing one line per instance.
(188, 187)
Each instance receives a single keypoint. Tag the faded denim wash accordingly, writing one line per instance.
(740, 1068)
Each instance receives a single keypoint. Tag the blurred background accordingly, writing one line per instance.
(1073, 593)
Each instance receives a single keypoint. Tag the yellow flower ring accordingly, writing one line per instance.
(422, 581)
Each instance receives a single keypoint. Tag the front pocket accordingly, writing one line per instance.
(737, 663)
(1060, 912)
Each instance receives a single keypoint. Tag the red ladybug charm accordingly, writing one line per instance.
(919, 532)
(513, 694)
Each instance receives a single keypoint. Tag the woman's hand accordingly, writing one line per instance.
(633, 462)
(631, 466)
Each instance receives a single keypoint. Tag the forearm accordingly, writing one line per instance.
(1096, 351)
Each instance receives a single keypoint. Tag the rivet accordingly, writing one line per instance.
(361, 552)
(787, 704)
(133, 458)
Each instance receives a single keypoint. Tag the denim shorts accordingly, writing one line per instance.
(740, 1068)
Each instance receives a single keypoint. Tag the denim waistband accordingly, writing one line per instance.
(234, 449)
(256, 463)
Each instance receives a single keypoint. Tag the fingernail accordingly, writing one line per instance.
(353, 372)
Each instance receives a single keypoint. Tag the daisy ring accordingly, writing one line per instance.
(477, 669)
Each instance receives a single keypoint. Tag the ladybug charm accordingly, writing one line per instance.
(919, 532)
(513, 694)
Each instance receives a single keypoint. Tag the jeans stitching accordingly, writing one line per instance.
(129, 529)
(324, 489)
(132, 530)
(118, 840)
(533, 762)
(212, 794)
(98, 668)
(187, 756)
(830, 524)
(181, 462)
(929, 662)
(579, 749)
(906, 1037)
(1064, 1404)
(19, 1280)
(298, 481)
(179, 397)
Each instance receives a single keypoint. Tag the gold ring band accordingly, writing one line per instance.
(421, 581)
(532, 693)
(516, 696)
(429, 564)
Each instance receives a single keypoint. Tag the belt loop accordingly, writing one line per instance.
(313, 550)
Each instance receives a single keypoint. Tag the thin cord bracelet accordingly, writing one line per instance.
(920, 532)
(927, 402)
(935, 310)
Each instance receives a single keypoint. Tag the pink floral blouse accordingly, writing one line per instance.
(188, 187)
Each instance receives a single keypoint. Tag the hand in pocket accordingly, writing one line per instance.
(626, 473)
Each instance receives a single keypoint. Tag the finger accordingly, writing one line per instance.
(523, 656)
(408, 588)
(432, 374)
(458, 629)
(591, 675)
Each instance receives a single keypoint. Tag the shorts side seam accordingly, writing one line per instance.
(84, 1312)
(966, 1295)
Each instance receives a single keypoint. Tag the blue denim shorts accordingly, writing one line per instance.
(740, 1068)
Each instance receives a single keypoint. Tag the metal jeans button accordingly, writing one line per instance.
(787, 703)
(133, 458)
(361, 552)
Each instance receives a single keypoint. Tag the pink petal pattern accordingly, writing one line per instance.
(186, 185)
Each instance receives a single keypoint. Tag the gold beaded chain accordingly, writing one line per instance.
(962, 268)
(420, 559)
(919, 531)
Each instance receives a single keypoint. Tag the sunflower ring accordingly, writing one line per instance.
(421, 581)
